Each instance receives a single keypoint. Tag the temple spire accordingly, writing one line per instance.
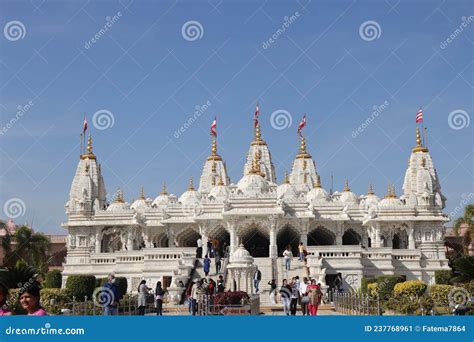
(419, 145)
(163, 190)
(89, 153)
(346, 186)
(142, 193)
(191, 185)
(119, 196)
(214, 155)
(371, 190)
(287, 178)
(256, 170)
(318, 181)
(258, 136)
(303, 153)
(390, 191)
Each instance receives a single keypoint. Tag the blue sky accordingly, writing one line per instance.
(151, 76)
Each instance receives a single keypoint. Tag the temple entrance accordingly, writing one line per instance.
(400, 240)
(351, 237)
(288, 236)
(256, 243)
(219, 238)
(321, 237)
(187, 238)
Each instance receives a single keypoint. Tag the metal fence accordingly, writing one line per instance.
(356, 304)
(207, 306)
(127, 307)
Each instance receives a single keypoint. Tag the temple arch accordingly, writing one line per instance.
(220, 238)
(256, 240)
(321, 236)
(288, 235)
(351, 237)
(187, 237)
(400, 240)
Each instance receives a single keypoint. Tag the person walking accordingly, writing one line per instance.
(257, 276)
(220, 284)
(304, 296)
(194, 296)
(273, 287)
(294, 296)
(287, 256)
(301, 250)
(217, 259)
(199, 248)
(143, 291)
(285, 295)
(206, 265)
(315, 295)
(159, 296)
(111, 296)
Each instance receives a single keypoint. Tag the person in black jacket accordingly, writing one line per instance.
(257, 276)
(159, 296)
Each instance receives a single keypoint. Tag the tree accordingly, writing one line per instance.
(18, 275)
(29, 247)
(466, 219)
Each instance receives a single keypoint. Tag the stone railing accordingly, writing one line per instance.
(147, 254)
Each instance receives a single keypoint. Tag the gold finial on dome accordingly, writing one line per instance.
(258, 136)
(142, 193)
(419, 147)
(390, 191)
(89, 154)
(318, 181)
(302, 153)
(371, 190)
(119, 196)
(191, 185)
(287, 178)
(214, 155)
(163, 190)
(346, 186)
(255, 170)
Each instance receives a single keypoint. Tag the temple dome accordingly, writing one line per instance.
(286, 190)
(347, 196)
(390, 202)
(317, 195)
(191, 197)
(219, 192)
(241, 256)
(252, 183)
(118, 206)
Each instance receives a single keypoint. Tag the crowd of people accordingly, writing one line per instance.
(306, 293)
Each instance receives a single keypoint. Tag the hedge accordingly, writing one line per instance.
(53, 300)
(439, 294)
(386, 284)
(53, 279)
(411, 288)
(443, 277)
(364, 282)
(81, 286)
(121, 282)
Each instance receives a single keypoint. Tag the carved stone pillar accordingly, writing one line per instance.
(339, 232)
(377, 235)
(231, 227)
(130, 240)
(98, 240)
(411, 238)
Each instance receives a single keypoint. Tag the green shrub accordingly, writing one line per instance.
(122, 285)
(100, 282)
(385, 285)
(53, 279)
(439, 294)
(81, 286)
(443, 277)
(53, 300)
(411, 288)
(13, 301)
(364, 282)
